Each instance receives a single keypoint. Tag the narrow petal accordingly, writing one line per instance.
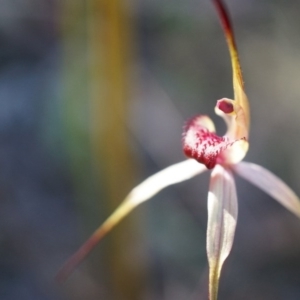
(200, 143)
(240, 122)
(269, 183)
(144, 191)
(222, 218)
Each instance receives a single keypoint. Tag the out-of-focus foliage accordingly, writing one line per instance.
(93, 95)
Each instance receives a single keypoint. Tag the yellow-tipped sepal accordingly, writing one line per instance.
(174, 174)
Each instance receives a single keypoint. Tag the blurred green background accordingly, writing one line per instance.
(93, 97)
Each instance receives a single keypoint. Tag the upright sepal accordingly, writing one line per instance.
(240, 128)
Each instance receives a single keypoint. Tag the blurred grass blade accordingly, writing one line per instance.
(97, 60)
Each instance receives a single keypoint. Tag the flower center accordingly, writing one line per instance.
(201, 143)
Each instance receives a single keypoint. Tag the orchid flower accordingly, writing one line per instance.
(206, 150)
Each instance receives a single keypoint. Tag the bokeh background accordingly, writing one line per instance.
(93, 97)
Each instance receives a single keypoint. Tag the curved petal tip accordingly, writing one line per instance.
(222, 219)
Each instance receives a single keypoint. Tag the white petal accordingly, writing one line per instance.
(222, 218)
(269, 183)
(144, 191)
(174, 174)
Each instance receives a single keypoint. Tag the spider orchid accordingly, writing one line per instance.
(206, 150)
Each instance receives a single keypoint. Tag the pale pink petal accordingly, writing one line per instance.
(269, 183)
(222, 218)
(174, 174)
(144, 191)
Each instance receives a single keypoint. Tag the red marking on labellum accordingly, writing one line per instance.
(201, 144)
(225, 106)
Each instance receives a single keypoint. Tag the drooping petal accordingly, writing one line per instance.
(176, 173)
(269, 183)
(240, 119)
(202, 144)
(222, 217)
